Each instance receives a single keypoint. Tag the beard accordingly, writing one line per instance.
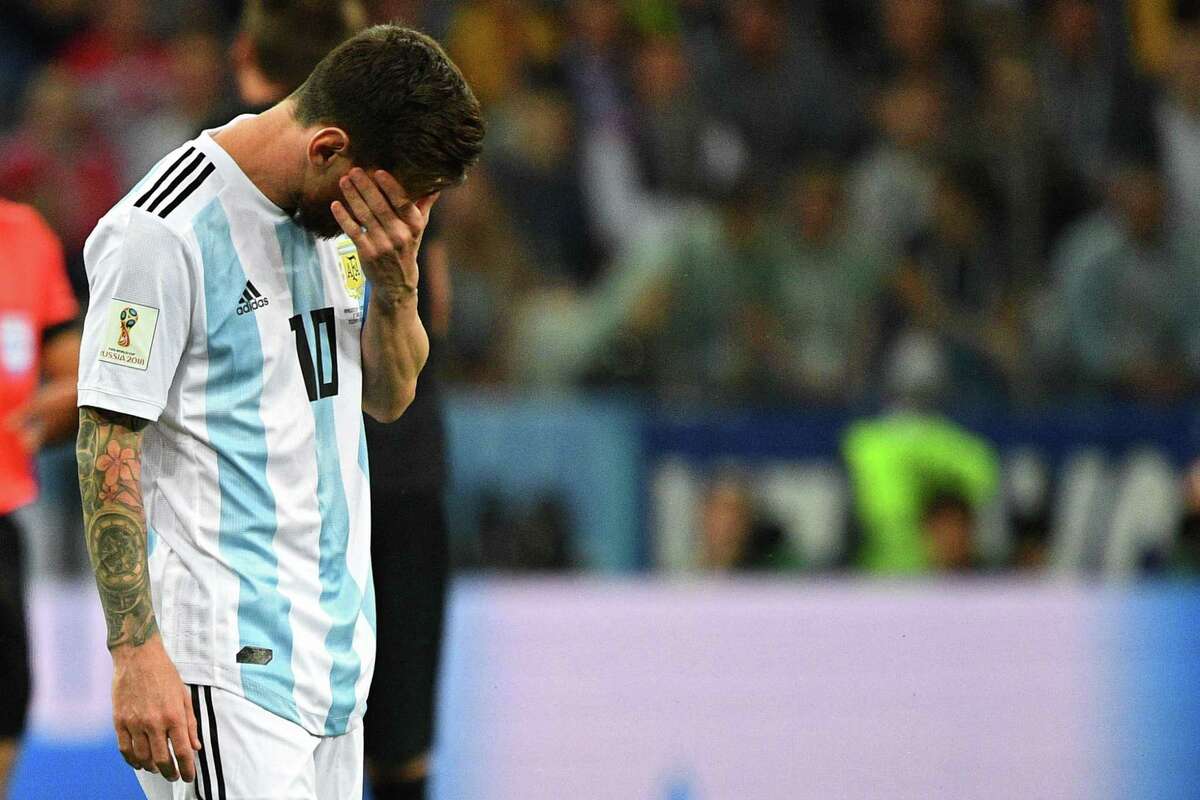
(315, 217)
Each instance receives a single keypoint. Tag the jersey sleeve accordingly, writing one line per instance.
(141, 280)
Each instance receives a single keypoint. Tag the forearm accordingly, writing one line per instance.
(395, 347)
(55, 403)
(109, 453)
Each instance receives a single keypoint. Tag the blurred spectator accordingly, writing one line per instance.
(1128, 294)
(534, 159)
(596, 68)
(905, 465)
(714, 272)
(1015, 149)
(681, 307)
(498, 44)
(892, 186)
(533, 538)
(1029, 497)
(778, 93)
(734, 534)
(1184, 560)
(492, 272)
(824, 300)
(31, 31)
(595, 62)
(120, 65)
(1091, 105)
(1177, 119)
(196, 68)
(672, 119)
(918, 40)
(948, 522)
(57, 162)
(953, 282)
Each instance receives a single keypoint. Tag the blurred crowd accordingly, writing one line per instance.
(753, 201)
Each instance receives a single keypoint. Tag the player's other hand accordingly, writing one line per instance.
(152, 712)
(386, 227)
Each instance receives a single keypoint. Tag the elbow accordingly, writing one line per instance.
(395, 407)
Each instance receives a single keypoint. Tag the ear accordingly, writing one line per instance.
(326, 145)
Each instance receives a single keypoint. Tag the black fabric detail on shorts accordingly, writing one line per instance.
(203, 750)
(14, 632)
(216, 746)
(187, 192)
(163, 177)
(174, 184)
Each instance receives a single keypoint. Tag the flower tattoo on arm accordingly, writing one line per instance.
(109, 456)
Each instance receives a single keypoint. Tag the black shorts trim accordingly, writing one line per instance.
(210, 753)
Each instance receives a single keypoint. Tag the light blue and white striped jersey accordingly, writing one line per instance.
(237, 332)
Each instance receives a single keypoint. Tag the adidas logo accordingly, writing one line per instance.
(252, 300)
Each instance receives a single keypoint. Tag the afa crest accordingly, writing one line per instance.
(352, 273)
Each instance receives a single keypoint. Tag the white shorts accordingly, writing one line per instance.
(251, 754)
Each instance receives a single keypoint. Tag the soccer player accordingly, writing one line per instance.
(250, 298)
(39, 348)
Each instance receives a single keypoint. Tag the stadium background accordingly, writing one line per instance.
(740, 289)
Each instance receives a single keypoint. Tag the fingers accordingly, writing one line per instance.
(125, 745)
(181, 745)
(379, 232)
(141, 752)
(350, 227)
(425, 204)
(392, 189)
(193, 726)
(160, 753)
(357, 204)
(409, 213)
(370, 192)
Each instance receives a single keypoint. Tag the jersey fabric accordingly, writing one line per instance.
(237, 333)
(35, 297)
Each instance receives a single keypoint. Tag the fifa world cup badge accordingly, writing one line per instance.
(129, 335)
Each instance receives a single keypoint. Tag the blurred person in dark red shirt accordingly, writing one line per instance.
(39, 357)
(118, 56)
(57, 163)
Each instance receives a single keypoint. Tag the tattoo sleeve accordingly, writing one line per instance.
(109, 455)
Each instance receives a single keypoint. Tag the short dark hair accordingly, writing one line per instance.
(291, 36)
(403, 103)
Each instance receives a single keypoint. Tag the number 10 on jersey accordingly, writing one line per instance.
(320, 372)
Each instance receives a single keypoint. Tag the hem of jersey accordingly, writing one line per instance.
(110, 401)
(229, 680)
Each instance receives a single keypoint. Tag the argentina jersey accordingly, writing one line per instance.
(236, 333)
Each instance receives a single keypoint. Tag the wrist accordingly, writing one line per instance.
(127, 648)
(389, 299)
